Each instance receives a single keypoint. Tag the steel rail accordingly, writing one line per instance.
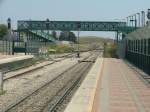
(55, 106)
(35, 91)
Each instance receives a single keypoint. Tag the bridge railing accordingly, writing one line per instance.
(44, 35)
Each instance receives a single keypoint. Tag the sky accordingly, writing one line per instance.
(71, 10)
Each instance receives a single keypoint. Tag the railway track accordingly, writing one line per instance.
(54, 92)
(63, 97)
(39, 67)
(63, 56)
(6, 77)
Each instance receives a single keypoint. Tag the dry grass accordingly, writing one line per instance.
(94, 39)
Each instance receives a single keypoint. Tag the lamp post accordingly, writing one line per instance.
(78, 26)
(47, 25)
(139, 19)
(134, 23)
(9, 23)
(134, 20)
(127, 21)
(148, 17)
(143, 18)
(9, 35)
(78, 54)
(130, 23)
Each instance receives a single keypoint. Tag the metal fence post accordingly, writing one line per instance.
(1, 82)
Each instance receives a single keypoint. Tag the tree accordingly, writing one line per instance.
(72, 37)
(67, 36)
(62, 36)
(3, 30)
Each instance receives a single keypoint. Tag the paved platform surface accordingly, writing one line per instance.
(9, 58)
(111, 86)
(83, 99)
(121, 89)
(2, 56)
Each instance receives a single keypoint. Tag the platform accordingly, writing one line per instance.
(83, 99)
(5, 59)
(113, 87)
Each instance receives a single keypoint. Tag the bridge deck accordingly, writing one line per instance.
(120, 89)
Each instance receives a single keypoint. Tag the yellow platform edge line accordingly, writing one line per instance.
(93, 92)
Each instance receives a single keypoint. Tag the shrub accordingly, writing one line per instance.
(3, 30)
(60, 48)
(110, 50)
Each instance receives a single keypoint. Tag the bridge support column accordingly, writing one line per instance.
(117, 37)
